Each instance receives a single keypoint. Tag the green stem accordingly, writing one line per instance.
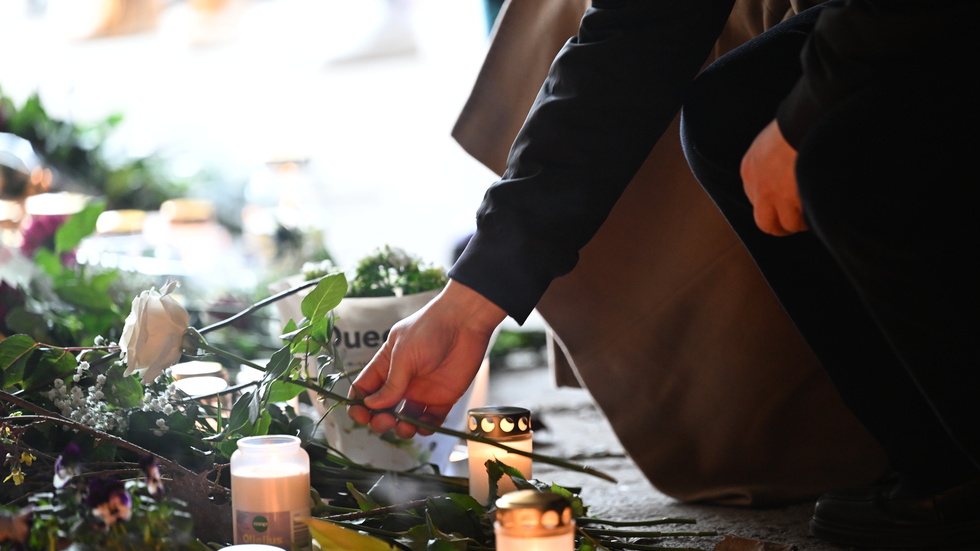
(484, 440)
(595, 543)
(364, 528)
(458, 434)
(261, 304)
(641, 534)
(45, 415)
(203, 345)
(641, 547)
(464, 435)
(345, 400)
(622, 523)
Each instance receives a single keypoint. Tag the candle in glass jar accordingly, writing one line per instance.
(510, 426)
(270, 492)
(531, 520)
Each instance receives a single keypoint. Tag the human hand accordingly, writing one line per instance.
(769, 178)
(427, 363)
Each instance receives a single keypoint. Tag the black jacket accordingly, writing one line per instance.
(614, 89)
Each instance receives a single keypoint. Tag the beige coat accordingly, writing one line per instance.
(666, 320)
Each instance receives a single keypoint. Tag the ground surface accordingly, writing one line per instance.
(576, 426)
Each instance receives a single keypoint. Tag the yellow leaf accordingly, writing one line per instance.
(334, 537)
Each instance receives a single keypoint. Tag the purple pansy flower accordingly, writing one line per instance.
(109, 500)
(150, 467)
(68, 465)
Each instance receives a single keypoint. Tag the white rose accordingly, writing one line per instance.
(154, 332)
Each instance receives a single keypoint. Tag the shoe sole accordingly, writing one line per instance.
(964, 537)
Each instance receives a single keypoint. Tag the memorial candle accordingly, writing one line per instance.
(510, 426)
(531, 520)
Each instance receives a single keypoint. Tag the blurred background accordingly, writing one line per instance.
(261, 127)
(227, 143)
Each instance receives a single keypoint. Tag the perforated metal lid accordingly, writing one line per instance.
(534, 512)
(499, 422)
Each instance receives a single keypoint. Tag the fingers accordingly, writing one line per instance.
(413, 410)
(382, 386)
(368, 382)
(382, 422)
(779, 220)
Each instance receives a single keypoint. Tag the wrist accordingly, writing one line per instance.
(465, 303)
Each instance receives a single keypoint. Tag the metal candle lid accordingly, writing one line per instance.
(499, 422)
(533, 512)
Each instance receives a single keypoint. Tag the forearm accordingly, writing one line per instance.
(610, 95)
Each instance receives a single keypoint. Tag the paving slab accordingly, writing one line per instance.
(575, 427)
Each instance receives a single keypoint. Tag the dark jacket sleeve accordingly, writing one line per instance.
(865, 43)
(610, 94)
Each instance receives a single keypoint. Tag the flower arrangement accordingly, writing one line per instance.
(116, 404)
(100, 512)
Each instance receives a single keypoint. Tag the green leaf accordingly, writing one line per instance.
(298, 343)
(363, 500)
(496, 470)
(453, 516)
(227, 447)
(320, 329)
(262, 424)
(440, 544)
(426, 537)
(283, 391)
(278, 364)
(254, 407)
(54, 363)
(578, 506)
(325, 296)
(127, 392)
(15, 351)
(48, 262)
(86, 296)
(78, 227)
(239, 416)
(334, 537)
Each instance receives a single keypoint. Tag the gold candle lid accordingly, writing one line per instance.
(533, 513)
(499, 421)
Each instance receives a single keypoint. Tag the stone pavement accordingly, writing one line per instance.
(576, 427)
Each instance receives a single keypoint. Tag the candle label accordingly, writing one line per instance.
(281, 529)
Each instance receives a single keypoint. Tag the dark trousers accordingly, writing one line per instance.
(882, 285)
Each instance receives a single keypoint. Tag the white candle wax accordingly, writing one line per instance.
(480, 453)
(560, 542)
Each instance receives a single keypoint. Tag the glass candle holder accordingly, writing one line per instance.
(270, 492)
(510, 426)
(530, 520)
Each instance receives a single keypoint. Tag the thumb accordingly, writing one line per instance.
(392, 387)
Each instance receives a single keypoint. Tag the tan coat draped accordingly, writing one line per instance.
(666, 320)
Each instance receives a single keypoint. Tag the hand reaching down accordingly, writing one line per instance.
(427, 363)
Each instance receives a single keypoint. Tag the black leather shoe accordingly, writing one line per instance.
(889, 516)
